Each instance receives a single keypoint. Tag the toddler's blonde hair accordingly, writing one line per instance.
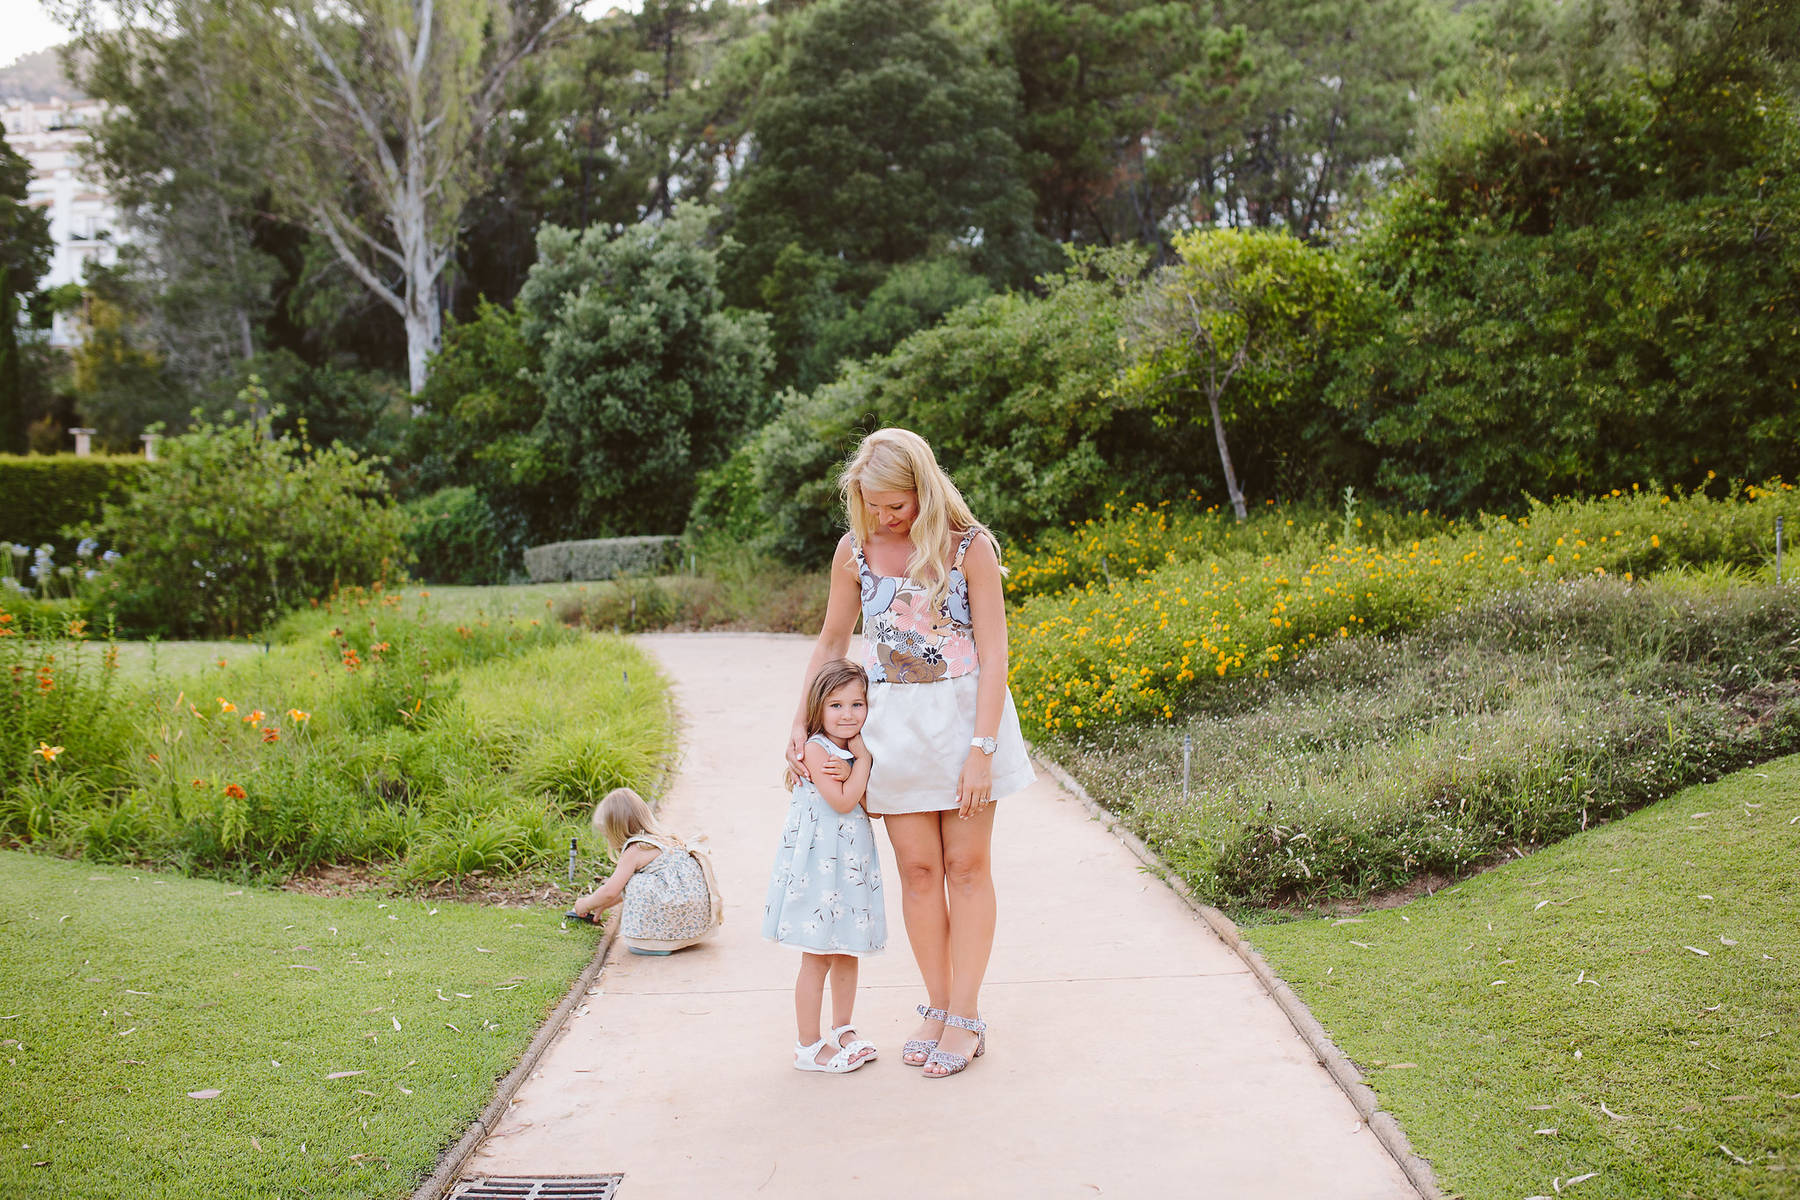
(899, 460)
(623, 815)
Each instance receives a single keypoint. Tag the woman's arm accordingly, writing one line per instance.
(841, 796)
(987, 614)
(632, 859)
(842, 607)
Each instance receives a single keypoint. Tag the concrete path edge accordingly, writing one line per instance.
(1344, 1072)
(451, 1164)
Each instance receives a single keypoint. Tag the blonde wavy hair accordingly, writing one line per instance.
(899, 460)
(623, 815)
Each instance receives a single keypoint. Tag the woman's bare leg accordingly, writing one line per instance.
(919, 851)
(969, 881)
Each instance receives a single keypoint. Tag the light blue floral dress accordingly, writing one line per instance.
(825, 890)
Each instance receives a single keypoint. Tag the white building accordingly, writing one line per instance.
(84, 224)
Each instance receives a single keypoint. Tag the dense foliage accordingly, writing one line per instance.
(42, 495)
(373, 732)
(240, 525)
(645, 379)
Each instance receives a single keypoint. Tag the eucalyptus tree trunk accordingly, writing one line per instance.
(392, 100)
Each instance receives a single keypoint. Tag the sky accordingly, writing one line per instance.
(25, 26)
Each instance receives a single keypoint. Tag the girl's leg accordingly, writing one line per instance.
(809, 997)
(843, 996)
(969, 876)
(919, 851)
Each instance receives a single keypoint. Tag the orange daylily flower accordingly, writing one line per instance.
(297, 716)
(256, 714)
(226, 706)
(271, 734)
(234, 791)
(47, 752)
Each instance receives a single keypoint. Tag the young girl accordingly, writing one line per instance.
(825, 891)
(667, 904)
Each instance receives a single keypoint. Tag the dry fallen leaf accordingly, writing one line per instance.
(203, 1094)
(1609, 1112)
(342, 1074)
(1699, 951)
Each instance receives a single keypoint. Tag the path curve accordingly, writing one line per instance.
(1131, 1052)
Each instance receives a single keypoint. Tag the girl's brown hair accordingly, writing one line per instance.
(831, 677)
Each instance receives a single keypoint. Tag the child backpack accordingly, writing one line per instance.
(712, 885)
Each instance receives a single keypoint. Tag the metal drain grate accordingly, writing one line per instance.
(539, 1187)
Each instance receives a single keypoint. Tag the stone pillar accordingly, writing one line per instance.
(83, 443)
(149, 440)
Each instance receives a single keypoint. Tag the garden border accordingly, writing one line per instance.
(439, 1182)
(1343, 1072)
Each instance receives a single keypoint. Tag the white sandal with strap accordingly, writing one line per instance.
(853, 1046)
(806, 1058)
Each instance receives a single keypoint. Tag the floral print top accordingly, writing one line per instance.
(906, 642)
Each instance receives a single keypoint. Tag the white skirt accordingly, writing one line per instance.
(918, 734)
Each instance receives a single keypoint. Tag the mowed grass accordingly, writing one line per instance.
(1617, 1016)
(122, 992)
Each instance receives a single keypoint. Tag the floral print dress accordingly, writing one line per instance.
(825, 890)
(923, 678)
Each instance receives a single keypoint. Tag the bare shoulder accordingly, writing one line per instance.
(846, 550)
(982, 554)
(637, 855)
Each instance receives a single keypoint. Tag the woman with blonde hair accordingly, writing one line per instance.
(666, 897)
(924, 575)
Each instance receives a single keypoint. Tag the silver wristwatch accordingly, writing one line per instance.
(985, 745)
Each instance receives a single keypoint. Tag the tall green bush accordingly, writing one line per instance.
(1578, 293)
(1017, 395)
(451, 535)
(646, 379)
(239, 525)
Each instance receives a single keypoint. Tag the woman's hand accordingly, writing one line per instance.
(976, 787)
(796, 751)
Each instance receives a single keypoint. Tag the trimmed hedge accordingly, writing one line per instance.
(40, 494)
(599, 558)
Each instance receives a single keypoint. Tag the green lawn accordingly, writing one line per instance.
(1617, 1016)
(123, 992)
(168, 660)
(521, 600)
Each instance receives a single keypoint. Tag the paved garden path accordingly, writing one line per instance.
(1131, 1053)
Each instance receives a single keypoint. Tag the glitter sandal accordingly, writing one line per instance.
(958, 1062)
(920, 1045)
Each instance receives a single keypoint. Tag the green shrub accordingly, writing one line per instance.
(452, 537)
(727, 506)
(1507, 725)
(1016, 394)
(600, 558)
(1202, 607)
(239, 526)
(42, 495)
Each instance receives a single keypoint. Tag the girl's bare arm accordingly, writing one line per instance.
(632, 859)
(841, 796)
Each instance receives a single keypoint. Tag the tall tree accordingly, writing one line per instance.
(881, 133)
(1244, 315)
(632, 112)
(380, 110)
(181, 154)
(24, 257)
(646, 380)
